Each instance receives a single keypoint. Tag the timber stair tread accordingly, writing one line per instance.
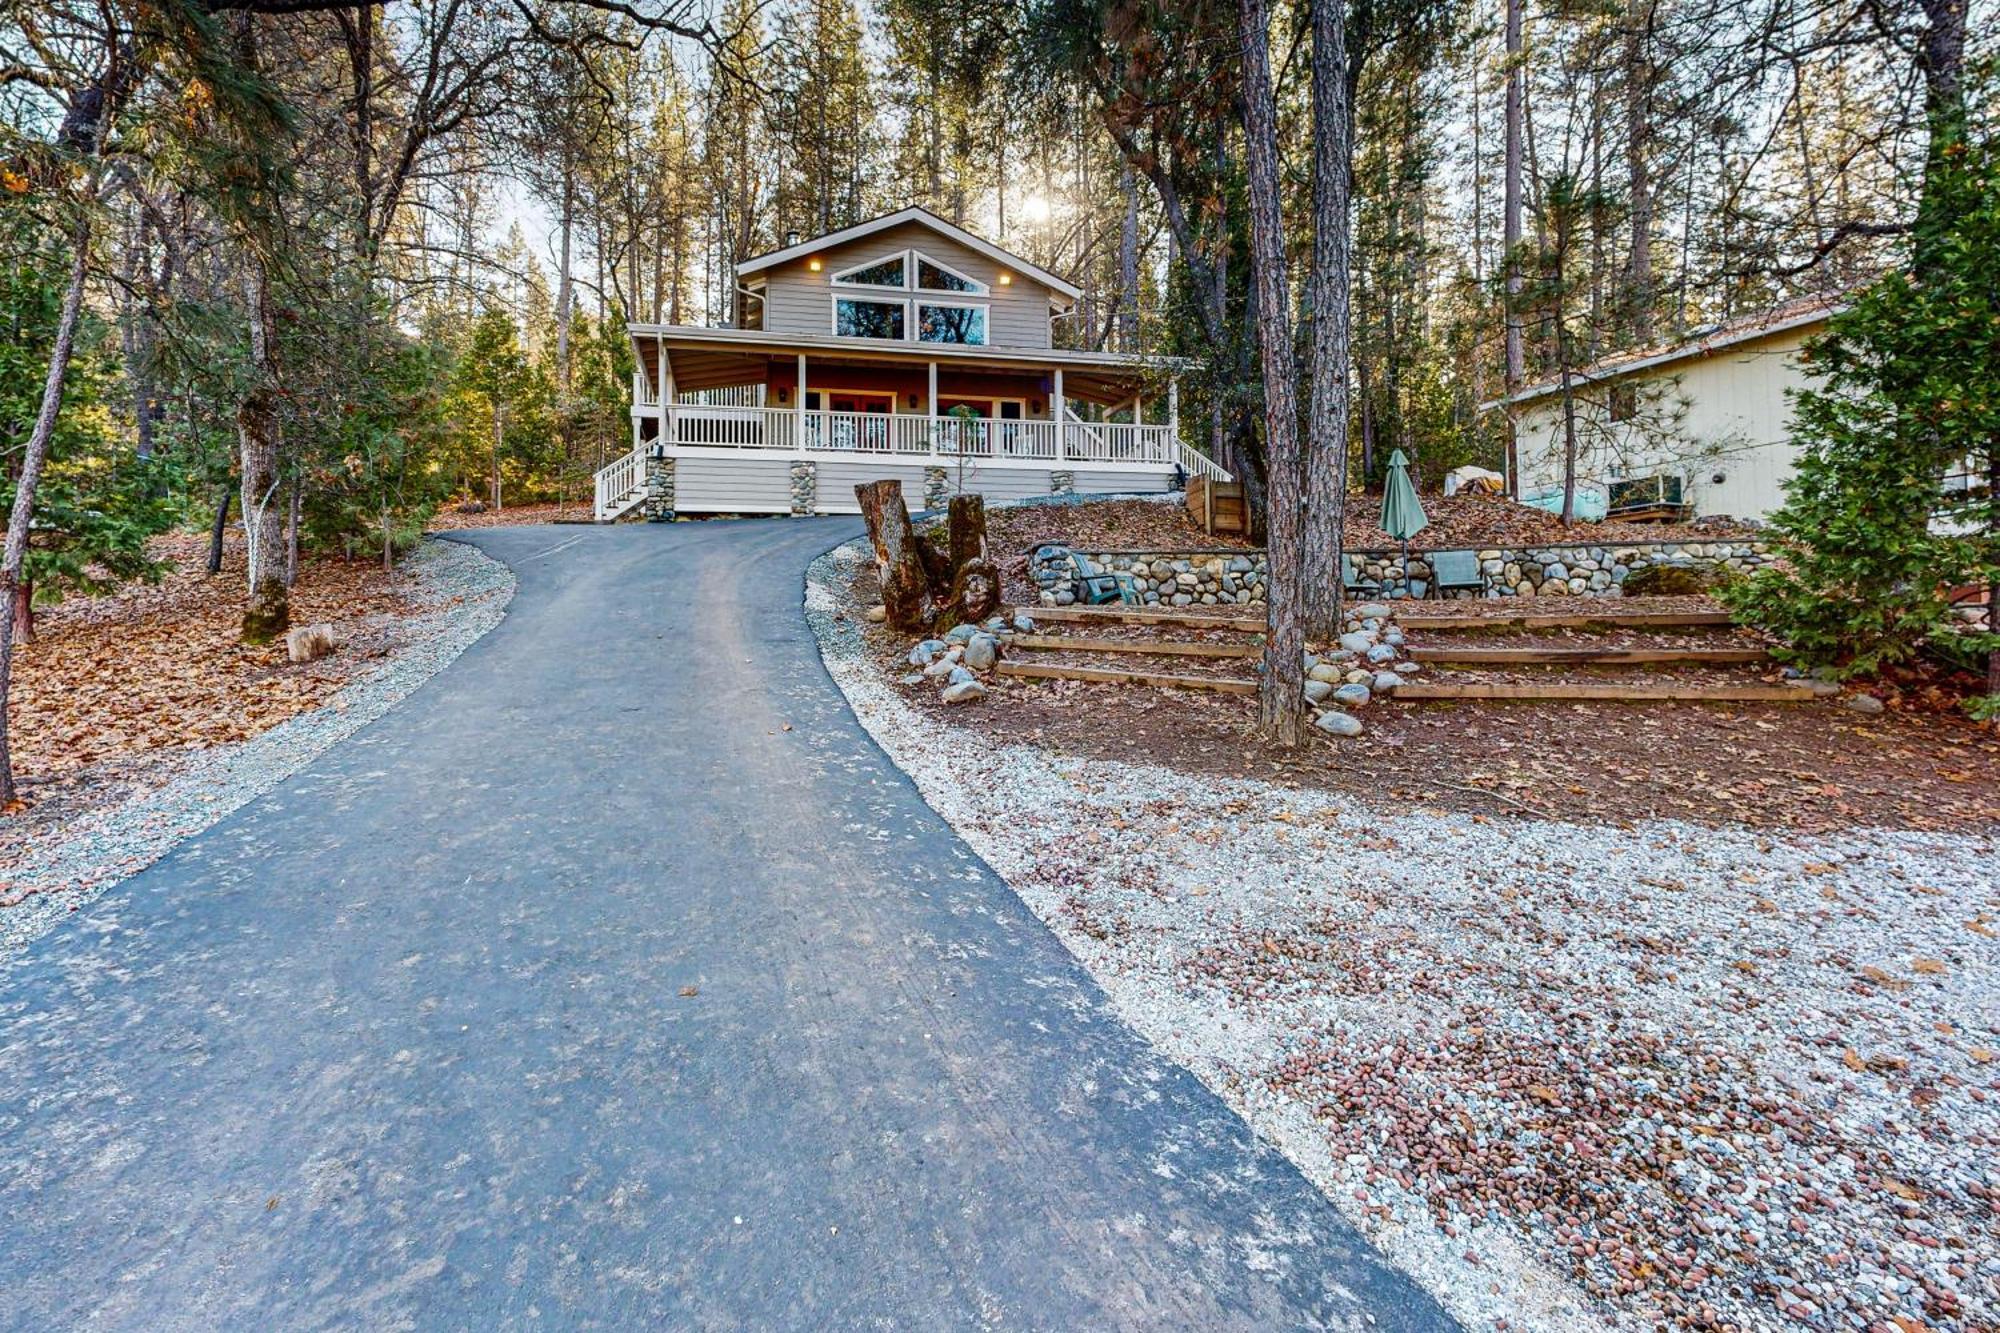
(1126, 615)
(1586, 656)
(1623, 691)
(1114, 676)
(1564, 620)
(1083, 643)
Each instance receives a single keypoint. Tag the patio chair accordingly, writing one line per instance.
(1452, 571)
(1353, 585)
(1095, 587)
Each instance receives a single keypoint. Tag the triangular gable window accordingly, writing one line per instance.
(876, 273)
(935, 277)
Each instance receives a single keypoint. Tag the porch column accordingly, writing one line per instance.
(1057, 411)
(799, 406)
(931, 426)
(1174, 409)
(665, 385)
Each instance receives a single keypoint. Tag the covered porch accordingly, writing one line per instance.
(698, 390)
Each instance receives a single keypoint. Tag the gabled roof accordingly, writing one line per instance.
(1802, 313)
(925, 218)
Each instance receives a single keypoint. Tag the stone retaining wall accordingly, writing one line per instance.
(1222, 577)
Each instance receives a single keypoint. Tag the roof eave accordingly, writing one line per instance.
(913, 213)
(1689, 351)
(771, 340)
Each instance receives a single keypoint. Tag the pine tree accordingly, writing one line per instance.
(1905, 395)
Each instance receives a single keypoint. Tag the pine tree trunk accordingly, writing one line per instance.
(1510, 229)
(1638, 172)
(1281, 694)
(898, 564)
(1324, 462)
(1128, 265)
(215, 532)
(260, 439)
(33, 458)
(292, 533)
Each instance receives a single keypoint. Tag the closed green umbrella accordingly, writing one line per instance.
(1402, 517)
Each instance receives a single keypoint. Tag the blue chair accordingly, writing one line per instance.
(1096, 587)
(1454, 571)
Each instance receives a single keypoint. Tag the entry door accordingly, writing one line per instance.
(1010, 436)
(867, 432)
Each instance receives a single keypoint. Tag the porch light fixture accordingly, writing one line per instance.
(1006, 279)
(783, 393)
(913, 400)
(813, 264)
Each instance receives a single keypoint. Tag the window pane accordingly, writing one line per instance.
(868, 319)
(888, 273)
(934, 279)
(952, 324)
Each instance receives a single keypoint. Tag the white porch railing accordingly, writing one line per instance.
(897, 435)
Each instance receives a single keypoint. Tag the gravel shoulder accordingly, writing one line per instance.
(71, 851)
(1569, 1075)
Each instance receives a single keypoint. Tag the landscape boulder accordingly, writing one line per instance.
(982, 652)
(1336, 723)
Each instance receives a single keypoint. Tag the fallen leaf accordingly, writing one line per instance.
(687, 991)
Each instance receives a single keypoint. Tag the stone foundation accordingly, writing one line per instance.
(805, 487)
(658, 506)
(1218, 577)
(1062, 483)
(937, 488)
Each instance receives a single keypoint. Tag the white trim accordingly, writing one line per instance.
(925, 218)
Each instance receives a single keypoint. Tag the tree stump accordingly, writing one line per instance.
(966, 519)
(906, 594)
(975, 591)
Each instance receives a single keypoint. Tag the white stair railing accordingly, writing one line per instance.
(616, 484)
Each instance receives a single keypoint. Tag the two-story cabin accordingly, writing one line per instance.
(901, 348)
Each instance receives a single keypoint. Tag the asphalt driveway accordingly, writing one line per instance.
(615, 979)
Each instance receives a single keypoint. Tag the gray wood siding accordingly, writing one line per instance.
(834, 485)
(1122, 483)
(733, 486)
(797, 300)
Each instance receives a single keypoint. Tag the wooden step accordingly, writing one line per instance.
(1564, 620)
(1108, 676)
(1584, 656)
(1637, 691)
(1084, 644)
(1132, 615)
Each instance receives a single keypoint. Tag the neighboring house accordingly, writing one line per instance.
(902, 348)
(1701, 428)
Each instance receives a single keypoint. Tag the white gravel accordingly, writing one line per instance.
(1570, 1076)
(462, 594)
